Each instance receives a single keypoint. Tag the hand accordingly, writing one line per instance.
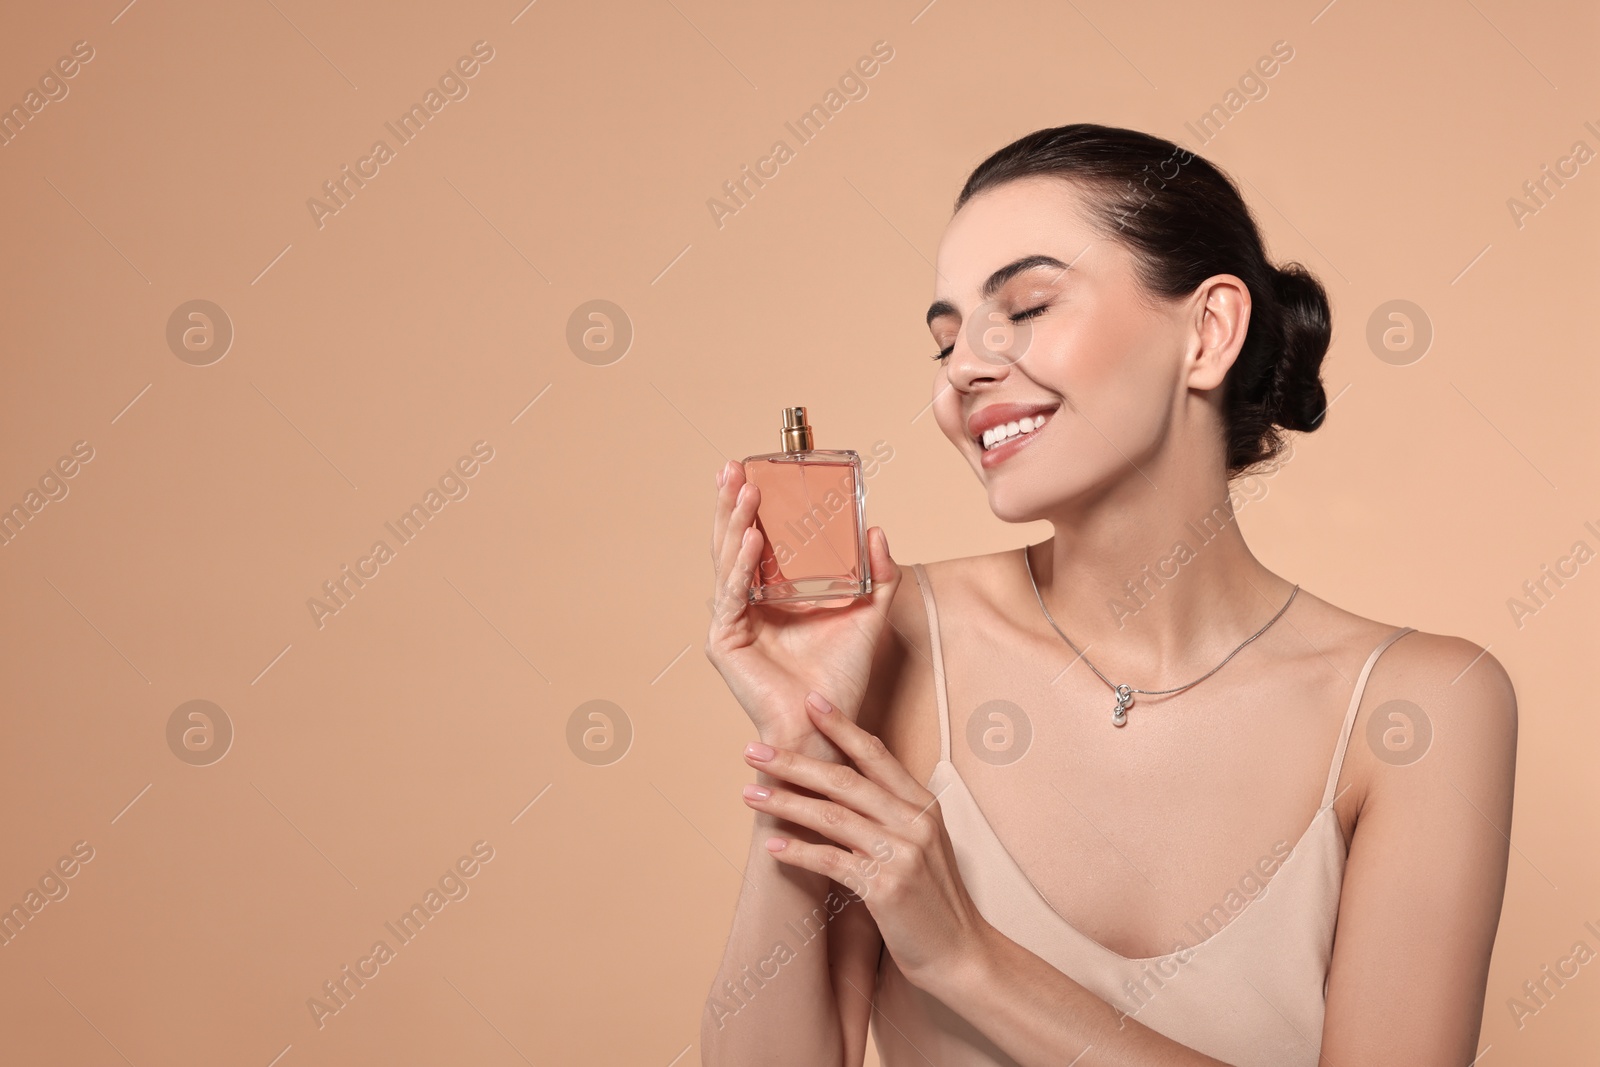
(896, 853)
(771, 655)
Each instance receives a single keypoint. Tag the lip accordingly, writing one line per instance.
(999, 414)
(1011, 446)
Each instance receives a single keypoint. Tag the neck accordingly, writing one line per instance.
(1155, 586)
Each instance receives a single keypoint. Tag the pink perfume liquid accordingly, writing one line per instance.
(812, 516)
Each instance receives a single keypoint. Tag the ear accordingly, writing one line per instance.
(1221, 319)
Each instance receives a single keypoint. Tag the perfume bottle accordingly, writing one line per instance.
(812, 518)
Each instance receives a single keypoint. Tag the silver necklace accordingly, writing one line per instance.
(1119, 714)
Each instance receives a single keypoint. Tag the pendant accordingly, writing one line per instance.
(1119, 714)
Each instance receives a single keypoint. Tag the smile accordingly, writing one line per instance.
(1001, 442)
(998, 435)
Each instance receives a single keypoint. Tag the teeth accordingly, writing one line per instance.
(999, 434)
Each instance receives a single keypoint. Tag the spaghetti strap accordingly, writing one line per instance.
(938, 661)
(1350, 715)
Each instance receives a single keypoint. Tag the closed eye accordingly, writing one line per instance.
(1021, 316)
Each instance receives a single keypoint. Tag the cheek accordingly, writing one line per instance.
(1088, 353)
(1117, 367)
(1116, 385)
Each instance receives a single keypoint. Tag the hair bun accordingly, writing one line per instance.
(1297, 399)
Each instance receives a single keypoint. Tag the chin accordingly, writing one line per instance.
(1030, 496)
(1010, 505)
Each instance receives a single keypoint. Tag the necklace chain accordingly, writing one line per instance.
(1119, 714)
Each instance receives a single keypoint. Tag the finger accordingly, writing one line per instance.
(839, 782)
(833, 821)
(733, 591)
(885, 571)
(767, 561)
(732, 475)
(730, 499)
(867, 751)
(886, 575)
(848, 869)
(746, 500)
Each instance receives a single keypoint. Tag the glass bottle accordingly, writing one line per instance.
(812, 517)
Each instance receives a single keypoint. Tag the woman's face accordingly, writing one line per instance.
(1043, 317)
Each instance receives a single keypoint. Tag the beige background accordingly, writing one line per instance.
(371, 353)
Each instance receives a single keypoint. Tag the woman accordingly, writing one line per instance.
(1124, 796)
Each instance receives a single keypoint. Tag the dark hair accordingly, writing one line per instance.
(1184, 221)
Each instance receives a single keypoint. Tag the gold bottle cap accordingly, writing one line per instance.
(796, 432)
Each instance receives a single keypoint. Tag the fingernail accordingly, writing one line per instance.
(756, 792)
(744, 493)
(817, 701)
(757, 751)
(776, 844)
(722, 476)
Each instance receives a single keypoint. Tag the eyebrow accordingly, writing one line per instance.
(996, 280)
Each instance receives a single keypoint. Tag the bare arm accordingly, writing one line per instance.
(811, 948)
(1426, 874)
(854, 950)
(772, 1000)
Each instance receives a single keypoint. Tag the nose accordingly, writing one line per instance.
(986, 348)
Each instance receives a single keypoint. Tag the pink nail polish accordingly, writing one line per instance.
(758, 751)
(756, 792)
(820, 703)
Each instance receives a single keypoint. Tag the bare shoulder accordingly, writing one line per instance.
(1439, 716)
(1424, 688)
(1458, 684)
(1464, 674)
(968, 581)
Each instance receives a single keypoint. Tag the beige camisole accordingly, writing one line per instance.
(1251, 994)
